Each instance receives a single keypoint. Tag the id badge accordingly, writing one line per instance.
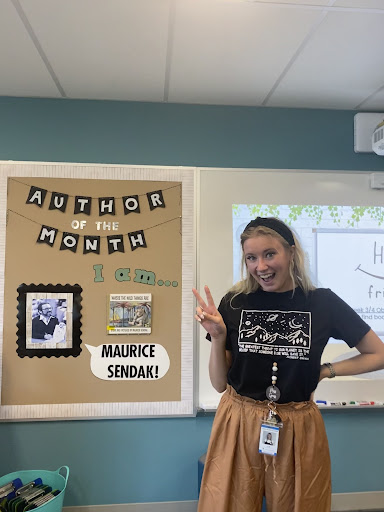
(269, 439)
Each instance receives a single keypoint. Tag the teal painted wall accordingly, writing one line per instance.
(129, 461)
(168, 134)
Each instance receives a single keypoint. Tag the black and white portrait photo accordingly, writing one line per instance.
(49, 320)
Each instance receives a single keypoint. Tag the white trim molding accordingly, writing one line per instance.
(341, 502)
(359, 501)
(170, 506)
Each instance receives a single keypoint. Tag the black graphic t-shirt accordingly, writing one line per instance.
(266, 327)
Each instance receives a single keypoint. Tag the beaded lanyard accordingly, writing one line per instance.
(273, 394)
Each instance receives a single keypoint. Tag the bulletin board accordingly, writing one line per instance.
(96, 303)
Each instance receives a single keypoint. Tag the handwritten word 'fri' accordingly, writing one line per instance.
(141, 276)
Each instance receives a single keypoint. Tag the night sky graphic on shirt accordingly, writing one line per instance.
(276, 328)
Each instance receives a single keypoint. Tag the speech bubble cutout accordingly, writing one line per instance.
(136, 361)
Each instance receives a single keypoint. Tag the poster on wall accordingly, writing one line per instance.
(49, 320)
(130, 313)
(96, 307)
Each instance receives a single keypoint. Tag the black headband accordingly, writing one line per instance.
(275, 225)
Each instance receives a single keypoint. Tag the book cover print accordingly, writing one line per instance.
(130, 313)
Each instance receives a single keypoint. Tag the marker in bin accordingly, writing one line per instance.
(28, 486)
(23, 490)
(42, 500)
(20, 502)
(352, 402)
(10, 488)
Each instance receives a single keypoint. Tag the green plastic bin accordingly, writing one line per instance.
(52, 478)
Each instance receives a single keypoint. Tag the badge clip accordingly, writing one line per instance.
(273, 418)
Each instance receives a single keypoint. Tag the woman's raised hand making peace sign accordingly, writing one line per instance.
(208, 316)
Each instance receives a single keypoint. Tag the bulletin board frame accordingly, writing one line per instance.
(102, 410)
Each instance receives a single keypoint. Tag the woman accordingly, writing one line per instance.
(267, 338)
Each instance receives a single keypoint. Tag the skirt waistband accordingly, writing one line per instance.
(263, 404)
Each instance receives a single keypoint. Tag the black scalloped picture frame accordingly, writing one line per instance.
(24, 320)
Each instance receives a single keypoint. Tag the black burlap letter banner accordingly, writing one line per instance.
(115, 243)
(47, 235)
(36, 196)
(69, 242)
(137, 239)
(83, 205)
(131, 204)
(91, 244)
(155, 199)
(106, 206)
(58, 201)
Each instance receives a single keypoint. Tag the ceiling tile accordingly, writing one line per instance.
(99, 49)
(232, 53)
(341, 65)
(23, 72)
(293, 2)
(360, 4)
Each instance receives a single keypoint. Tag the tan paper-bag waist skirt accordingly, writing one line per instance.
(236, 476)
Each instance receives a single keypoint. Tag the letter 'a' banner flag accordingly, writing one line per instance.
(47, 235)
(69, 242)
(36, 196)
(155, 199)
(137, 239)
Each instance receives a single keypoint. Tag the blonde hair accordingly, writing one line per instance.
(298, 269)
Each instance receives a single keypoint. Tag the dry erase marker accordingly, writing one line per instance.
(365, 403)
(28, 486)
(323, 402)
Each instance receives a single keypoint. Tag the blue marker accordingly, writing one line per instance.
(321, 402)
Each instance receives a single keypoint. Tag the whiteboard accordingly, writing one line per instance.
(218, 189)
(363, 269)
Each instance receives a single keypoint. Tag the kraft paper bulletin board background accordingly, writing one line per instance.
(95, 295)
